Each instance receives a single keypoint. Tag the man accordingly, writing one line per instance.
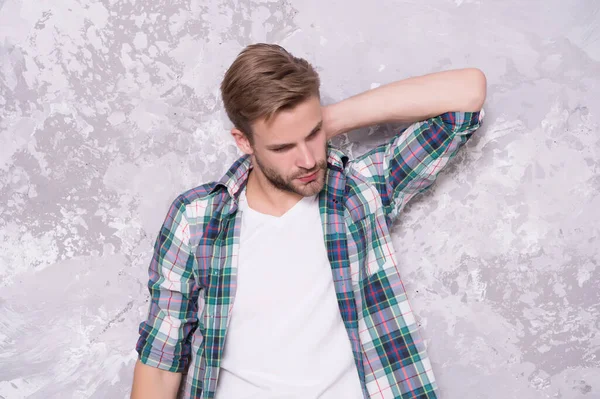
(280, 280)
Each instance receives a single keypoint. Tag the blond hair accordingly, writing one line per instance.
(263, 80)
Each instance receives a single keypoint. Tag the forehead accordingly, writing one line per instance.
(289, 125)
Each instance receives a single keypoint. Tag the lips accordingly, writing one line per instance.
(308, 177)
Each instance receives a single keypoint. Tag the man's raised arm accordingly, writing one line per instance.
(408, 100)
(445, 108)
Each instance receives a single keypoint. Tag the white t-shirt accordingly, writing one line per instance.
(286, 337)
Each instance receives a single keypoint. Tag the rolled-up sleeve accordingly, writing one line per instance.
(411, 161)
(164, 340)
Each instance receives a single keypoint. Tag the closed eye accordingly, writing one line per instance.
(314, 134)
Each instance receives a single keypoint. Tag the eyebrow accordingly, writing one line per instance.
(282, 145)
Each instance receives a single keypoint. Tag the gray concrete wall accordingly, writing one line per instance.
(109, 109)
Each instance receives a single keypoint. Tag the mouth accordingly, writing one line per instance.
(307, 178)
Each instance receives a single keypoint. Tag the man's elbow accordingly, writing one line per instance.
(477, 89)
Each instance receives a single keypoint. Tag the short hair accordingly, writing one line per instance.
(263, 80)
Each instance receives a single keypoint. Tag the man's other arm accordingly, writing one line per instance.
(153, 383)
(164, 342)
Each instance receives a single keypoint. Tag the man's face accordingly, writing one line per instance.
(290, 151)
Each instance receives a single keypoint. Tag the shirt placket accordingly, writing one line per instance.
(220, 297)
(331, 207)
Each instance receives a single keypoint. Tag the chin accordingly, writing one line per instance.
(312, 188)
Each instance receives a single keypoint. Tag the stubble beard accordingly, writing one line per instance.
(291, 184)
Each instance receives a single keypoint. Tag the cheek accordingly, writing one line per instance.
(319, 147)
(285, 166)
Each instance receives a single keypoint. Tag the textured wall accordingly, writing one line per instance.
(109, 109)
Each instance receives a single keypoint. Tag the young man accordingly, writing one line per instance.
(280, 280)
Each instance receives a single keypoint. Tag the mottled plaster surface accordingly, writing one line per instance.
(109, 109)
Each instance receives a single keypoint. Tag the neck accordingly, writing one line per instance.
(265, 198)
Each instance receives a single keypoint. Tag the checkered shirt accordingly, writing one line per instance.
(192, 275)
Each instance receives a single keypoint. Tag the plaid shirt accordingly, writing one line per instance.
(193, 271)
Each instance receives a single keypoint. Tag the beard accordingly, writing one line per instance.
(291, 184)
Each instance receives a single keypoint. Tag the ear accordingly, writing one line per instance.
(242, 141)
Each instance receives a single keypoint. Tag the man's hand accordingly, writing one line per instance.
(152, 383)
(409, 100)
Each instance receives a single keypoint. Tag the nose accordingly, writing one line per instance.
(306, 159)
